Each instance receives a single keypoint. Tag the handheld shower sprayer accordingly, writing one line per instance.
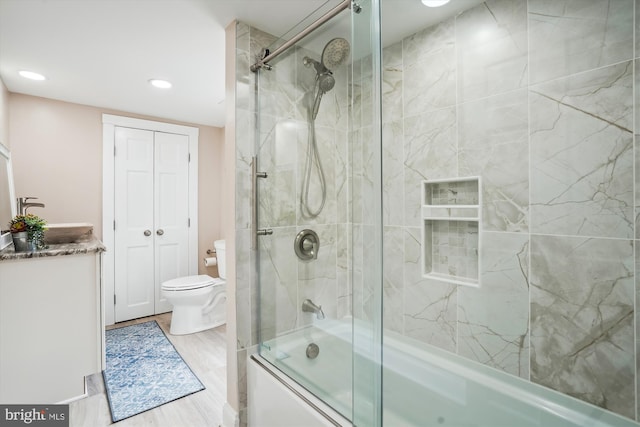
(325, 83)
(334, 54)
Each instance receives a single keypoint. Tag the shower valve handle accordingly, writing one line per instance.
(307, 245)
(310, 246)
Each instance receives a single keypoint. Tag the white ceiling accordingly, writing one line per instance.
(103, 52)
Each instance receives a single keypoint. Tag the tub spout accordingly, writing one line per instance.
(309, 307)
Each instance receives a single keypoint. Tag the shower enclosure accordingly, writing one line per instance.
(444, 227)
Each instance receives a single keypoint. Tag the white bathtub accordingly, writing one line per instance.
(423, 386)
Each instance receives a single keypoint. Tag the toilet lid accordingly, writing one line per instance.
(189, 282)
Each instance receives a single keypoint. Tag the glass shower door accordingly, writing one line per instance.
(305, 213)
(365, 150)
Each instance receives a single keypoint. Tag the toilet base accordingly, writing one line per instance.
(180, 330)
(189, 320)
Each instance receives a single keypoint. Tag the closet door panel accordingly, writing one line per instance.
(171, 206)
(134, 221)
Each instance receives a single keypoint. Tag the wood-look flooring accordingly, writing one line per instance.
(204, 352)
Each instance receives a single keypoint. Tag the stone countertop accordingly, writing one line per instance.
(85, 247)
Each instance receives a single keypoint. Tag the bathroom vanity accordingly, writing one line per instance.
(51, 333)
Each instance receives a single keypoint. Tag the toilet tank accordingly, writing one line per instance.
(222, 258)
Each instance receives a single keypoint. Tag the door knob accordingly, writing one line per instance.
(160, 232)
(147, 232)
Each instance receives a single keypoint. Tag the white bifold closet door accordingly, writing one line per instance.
(151, 218)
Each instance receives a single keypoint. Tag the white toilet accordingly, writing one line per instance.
(199, 302)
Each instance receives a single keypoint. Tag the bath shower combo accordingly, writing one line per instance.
(426, 306)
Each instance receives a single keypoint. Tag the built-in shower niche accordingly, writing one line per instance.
(451, 212)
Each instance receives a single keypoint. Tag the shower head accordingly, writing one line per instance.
(335, 53)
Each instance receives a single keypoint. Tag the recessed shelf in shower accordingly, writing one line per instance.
(451, 217)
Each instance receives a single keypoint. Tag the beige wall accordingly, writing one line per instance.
(210, 178)
(4, 114)
(57, 156)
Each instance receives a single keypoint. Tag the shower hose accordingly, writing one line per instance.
(313, 158)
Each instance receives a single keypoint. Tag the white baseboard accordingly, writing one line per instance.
(73, 399)
(230, 417)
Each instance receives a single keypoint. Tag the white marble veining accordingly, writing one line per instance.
(543, 111)
(430, 84)
(393, 278)
(393, 173)
(344, 265)
(582, 154)
(569, 36)
(429, 306)
(278, 157)
(493, 320)
(245, 293)
(430, 152)
(493, 138)
(427, 42)
(491, 46)
(582, 311)
(392, 77)
(278, 272)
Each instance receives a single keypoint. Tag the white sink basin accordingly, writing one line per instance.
(74, 232)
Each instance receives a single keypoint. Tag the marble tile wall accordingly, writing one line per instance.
(246, 292)
(537, 97)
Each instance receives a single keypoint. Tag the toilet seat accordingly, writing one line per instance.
(190, 282)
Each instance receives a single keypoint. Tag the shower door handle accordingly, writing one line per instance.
(254, 204)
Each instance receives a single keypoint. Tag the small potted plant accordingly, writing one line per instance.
(27, 232)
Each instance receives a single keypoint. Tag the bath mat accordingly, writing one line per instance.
(144, 370)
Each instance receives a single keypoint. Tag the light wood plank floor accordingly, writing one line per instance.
(204, 352)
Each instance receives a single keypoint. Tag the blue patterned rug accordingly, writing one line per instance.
(144, 370)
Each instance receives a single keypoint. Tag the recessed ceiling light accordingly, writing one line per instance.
(162, 84)
(434, 3)
(31, 75)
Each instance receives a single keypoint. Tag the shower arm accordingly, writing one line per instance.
(302, 34)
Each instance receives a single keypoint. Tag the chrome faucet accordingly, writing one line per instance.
(309, 307)
(23, 205)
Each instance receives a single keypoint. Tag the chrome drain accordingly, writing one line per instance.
(312, 351)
